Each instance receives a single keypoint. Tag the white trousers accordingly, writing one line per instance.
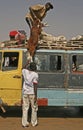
(27, 100)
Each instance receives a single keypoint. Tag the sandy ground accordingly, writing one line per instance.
(48, 118)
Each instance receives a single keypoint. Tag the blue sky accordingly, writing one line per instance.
(65, 19)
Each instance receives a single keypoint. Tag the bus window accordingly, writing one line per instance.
(42, 62)
(0, 59)
(80, 63)
(74, 63)
(10, 61)
(77, 62)
(55, 62)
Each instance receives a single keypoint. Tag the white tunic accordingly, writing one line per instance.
(30, 77)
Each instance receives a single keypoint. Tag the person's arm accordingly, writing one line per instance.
(29, 22)
(35, 83)
(35, 91)
(25, 66)
(32, 13)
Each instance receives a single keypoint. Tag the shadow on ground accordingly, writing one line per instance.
(46, 112)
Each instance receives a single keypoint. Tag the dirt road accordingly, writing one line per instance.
(48, 118)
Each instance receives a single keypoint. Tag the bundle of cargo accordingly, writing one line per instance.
(48, 37)
(18, 35)
(18, 38)
(12, 44)
(78, 38)
(76, 41)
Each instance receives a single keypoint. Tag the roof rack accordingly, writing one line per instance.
(42, 44)
(67, 45)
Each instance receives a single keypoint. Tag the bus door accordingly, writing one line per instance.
(75, 93)
(10, 77)
(50, 67)
(0, 59)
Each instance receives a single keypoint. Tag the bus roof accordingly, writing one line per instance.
(46, 50)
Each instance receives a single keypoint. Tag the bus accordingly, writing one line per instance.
(60, 76)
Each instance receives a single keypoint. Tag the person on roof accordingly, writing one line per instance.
(37, 11)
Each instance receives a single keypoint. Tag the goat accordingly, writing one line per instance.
(35, 32)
